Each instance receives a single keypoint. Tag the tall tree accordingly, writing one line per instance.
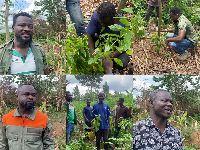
(106, 88)
(55, 11)
(76, 93)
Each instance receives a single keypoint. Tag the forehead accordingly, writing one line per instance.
(24, 19)
(27, 88)
(163, 95)
(101, 94)
(69, 94)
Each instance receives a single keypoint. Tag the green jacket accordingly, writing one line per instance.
(75, 117)
(26, 133)
(6, 55)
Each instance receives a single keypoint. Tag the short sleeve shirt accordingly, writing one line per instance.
(183, 23)
(104, 111)
(88, 112)
(147, 137)
(95, 26)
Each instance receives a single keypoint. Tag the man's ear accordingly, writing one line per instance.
(151, 103)
(16, 97)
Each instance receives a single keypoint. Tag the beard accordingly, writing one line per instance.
(22, 41)
(27, 105)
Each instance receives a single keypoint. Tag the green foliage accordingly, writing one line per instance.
(3, 37)
(158, 41)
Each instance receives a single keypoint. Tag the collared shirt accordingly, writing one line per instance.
(6, 55)
(71, 114)
(183, 23)
(21, 65)
(147, 137)
(33, 132)
(87, 110)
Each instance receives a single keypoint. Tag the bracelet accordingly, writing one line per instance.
(165, 30)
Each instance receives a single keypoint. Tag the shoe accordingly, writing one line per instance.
(184, 56)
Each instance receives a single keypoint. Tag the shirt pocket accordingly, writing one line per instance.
(14, 141)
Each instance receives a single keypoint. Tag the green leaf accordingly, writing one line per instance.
(124, 21)
(129, 52)
(129, 10)
(116, 27)
(92, 60)
(118, 61)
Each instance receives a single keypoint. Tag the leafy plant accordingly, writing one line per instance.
(158, 42)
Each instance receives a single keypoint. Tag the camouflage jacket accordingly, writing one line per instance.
(183, 23)
(6, 55)
(26, 133)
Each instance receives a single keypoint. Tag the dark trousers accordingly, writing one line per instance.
(98, 135)
(123, 56)
(149, 11)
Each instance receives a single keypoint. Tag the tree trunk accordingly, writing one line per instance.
(122, 4)
(6, 21)
(160, 16)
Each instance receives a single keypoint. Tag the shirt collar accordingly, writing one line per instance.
(149, 122)
(30, 116)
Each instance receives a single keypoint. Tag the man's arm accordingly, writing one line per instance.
(46, 71)
(3, 139)
(179, 38)
(90, 44)
(48, 137)
(85, 115)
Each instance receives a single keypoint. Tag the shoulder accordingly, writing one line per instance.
(139, 123)
(41, 115)
(172, 128)
(6, 45)
(10, 114)
(37, 47)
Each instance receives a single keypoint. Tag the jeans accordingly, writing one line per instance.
(149, 11)
(74, 10)
(69, 131)
(179, 46)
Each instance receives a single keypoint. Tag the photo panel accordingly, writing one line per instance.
(35, 106)
(99, 104)
(166, 97)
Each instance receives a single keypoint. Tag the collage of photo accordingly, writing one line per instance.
(99, 75)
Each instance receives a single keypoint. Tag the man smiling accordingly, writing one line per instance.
(155, 133)
(22, 55)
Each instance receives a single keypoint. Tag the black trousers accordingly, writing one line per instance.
(149, 11)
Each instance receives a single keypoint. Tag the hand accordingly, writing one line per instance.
(167, 44)
(162, 30)
(109, 128)
(146, 3)
(107, 64)
(87, 120)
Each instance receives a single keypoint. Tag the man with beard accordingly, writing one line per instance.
(25, 127)
(155, 132)
(184, 35)
(22, 55)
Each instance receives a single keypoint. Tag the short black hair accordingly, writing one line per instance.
(175, 11)
(20, 14)
(154, 94)
(67, 92)
(121, 99)
(20, 86)
(106, 9)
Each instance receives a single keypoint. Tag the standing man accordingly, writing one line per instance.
(102, 18)
(103, 110)
(26, 128)
(155, 132)
(87, 114)
(74, 10)
(184, 34)
(71, 119)
(22, 55)
(122, 112)
(151, 5)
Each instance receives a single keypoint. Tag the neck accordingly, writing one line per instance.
(159, 122)
(25, 112)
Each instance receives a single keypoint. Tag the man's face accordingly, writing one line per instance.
(23, 29)
(119, 102)
(163, 105)
(26, 97)
(174, 17)
(88, 103)
(101, 97)
(69, 97)
(106, 22)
